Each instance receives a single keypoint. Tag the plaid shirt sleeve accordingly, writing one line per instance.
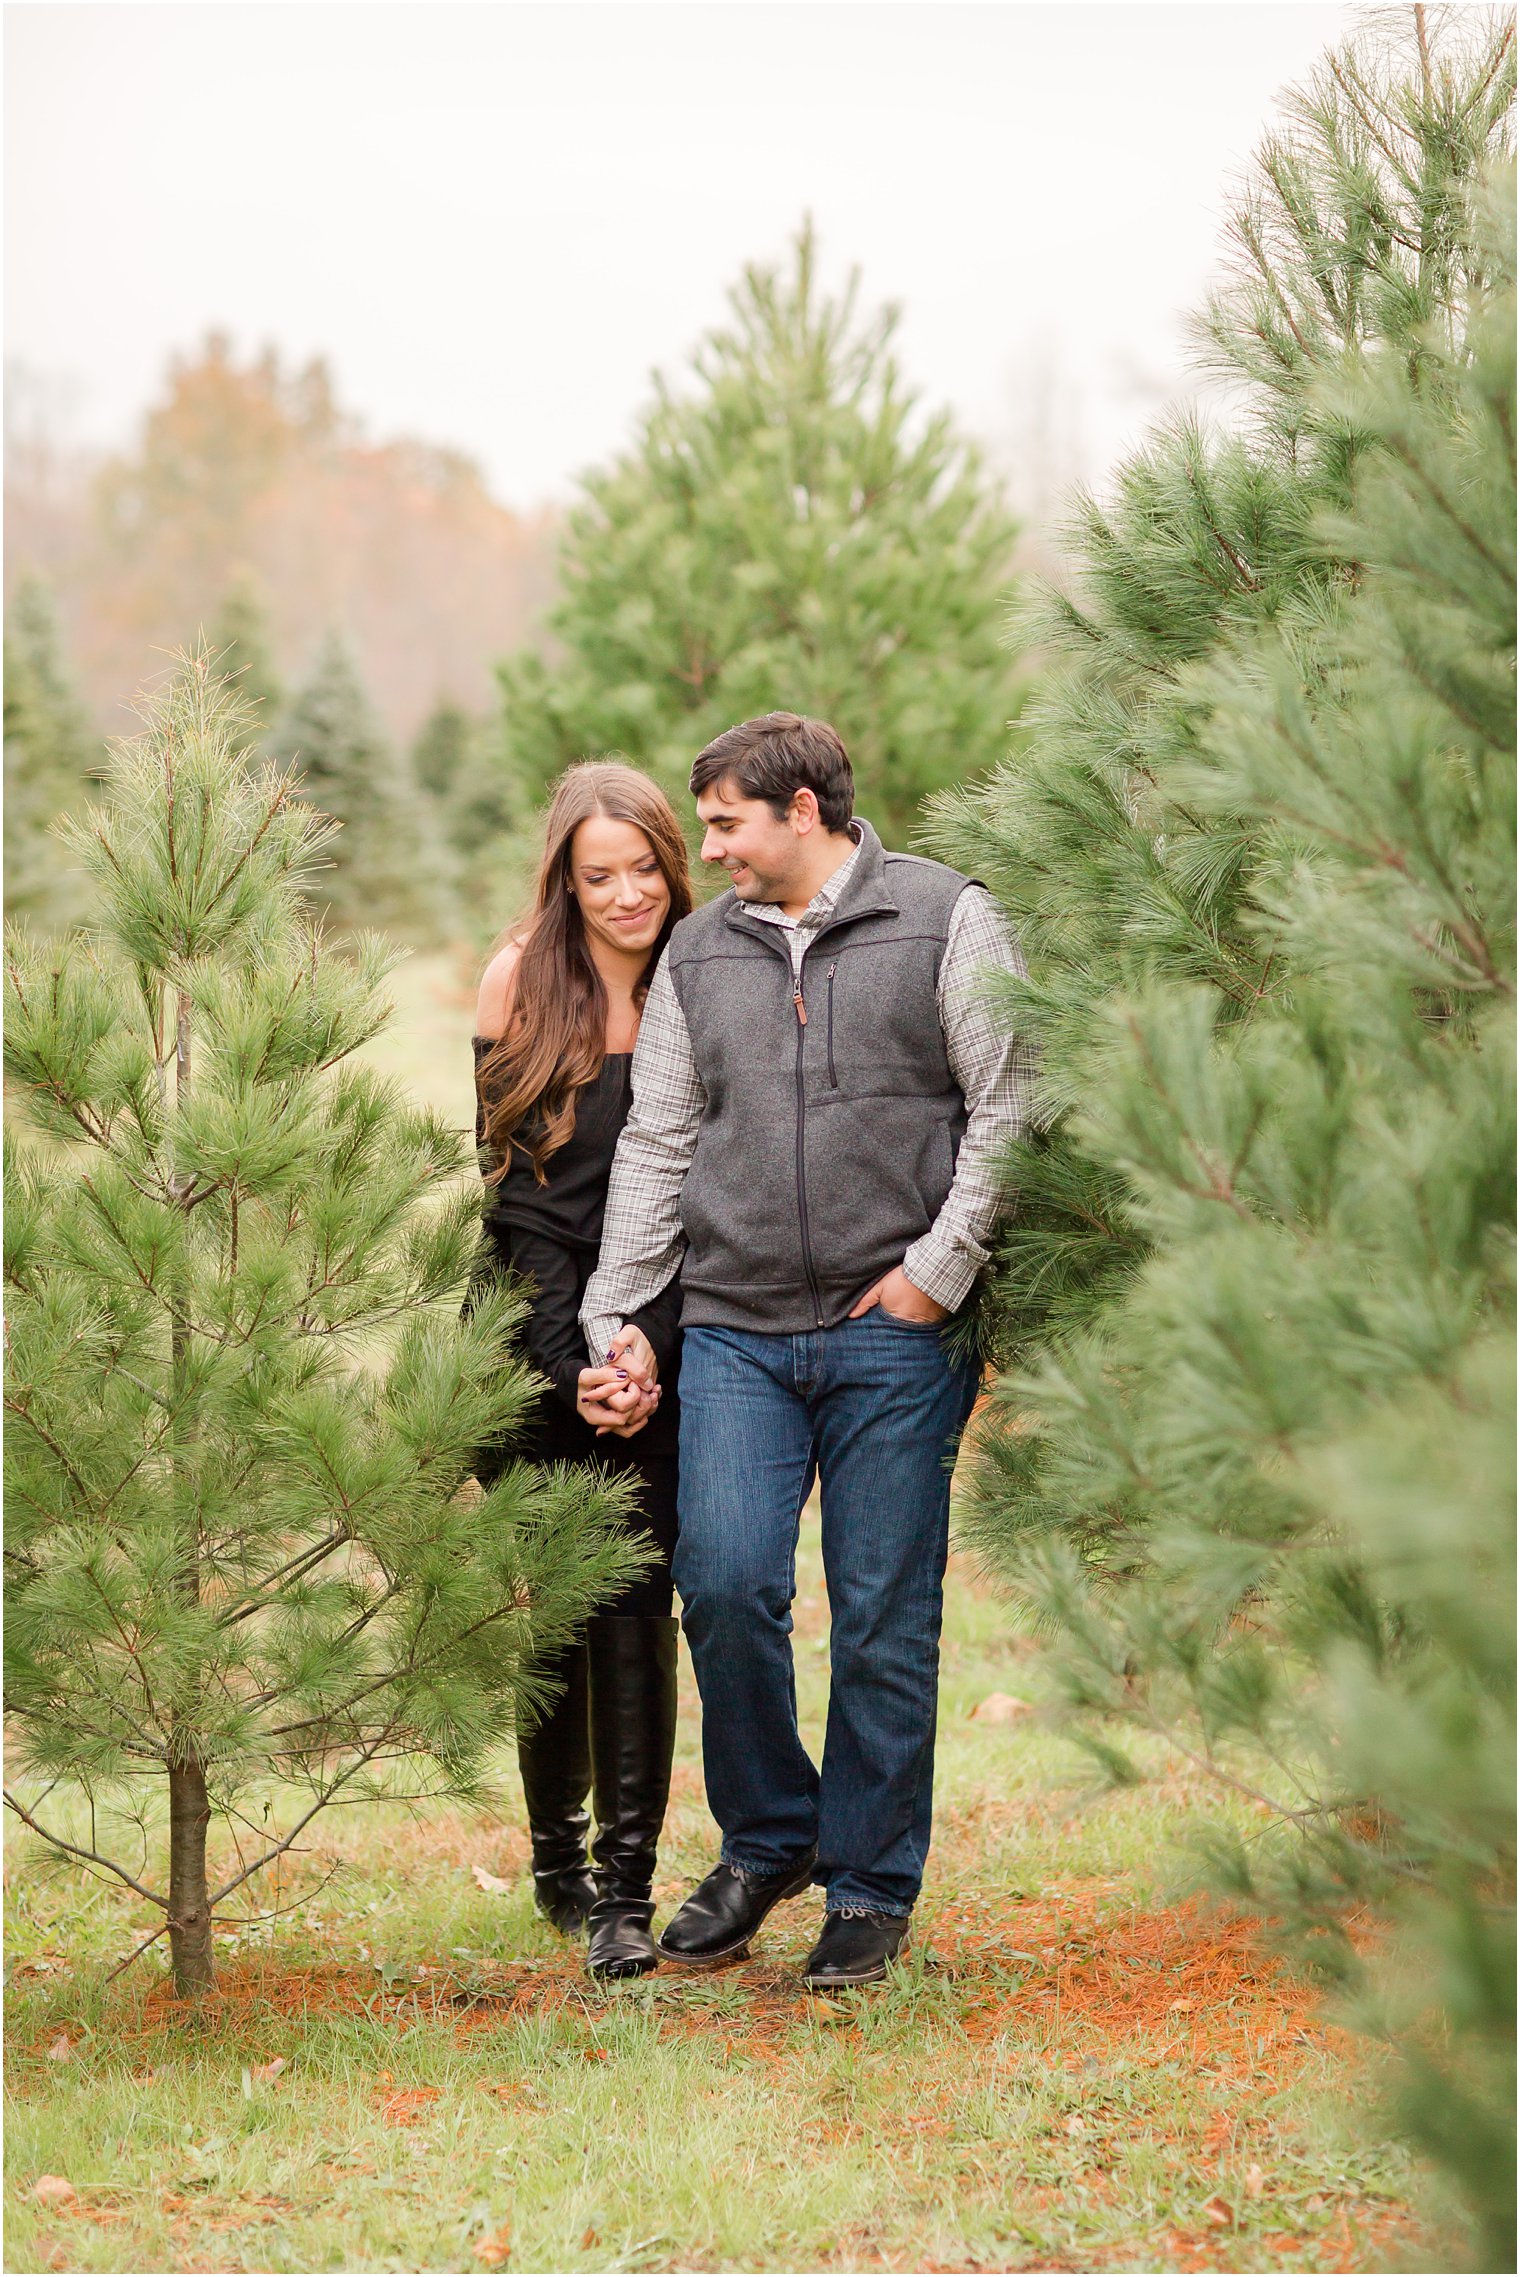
(996, 1073)
(642, 1241)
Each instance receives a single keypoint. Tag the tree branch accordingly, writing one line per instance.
(304, 1821)
(75, 1850)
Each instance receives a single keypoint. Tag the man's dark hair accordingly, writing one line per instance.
(774, 758)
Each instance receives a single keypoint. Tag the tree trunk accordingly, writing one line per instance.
(189, 1897)
(189, 1809)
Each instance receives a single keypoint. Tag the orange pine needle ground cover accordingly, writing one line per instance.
(406, 2069)
(1069, 1980)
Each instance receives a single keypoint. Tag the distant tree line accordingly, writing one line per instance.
(789, 529)
(247, 468)
(393, 864)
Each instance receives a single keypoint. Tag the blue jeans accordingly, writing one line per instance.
(874, 1408)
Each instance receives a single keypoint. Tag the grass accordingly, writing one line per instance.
(1074, 2069)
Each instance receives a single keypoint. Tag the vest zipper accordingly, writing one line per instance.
(802, 1208)
(833, 1078)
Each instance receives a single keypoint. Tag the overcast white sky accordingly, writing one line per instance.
(495, 219)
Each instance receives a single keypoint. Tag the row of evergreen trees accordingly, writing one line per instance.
(789, 526)
(1254, 1473)
(395, 860)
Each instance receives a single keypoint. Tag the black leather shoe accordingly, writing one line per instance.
(723, 1912)
(855, 1948)
(554, 1757)
(633, 1735)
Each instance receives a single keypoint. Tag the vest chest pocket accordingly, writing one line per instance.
(875, 1018)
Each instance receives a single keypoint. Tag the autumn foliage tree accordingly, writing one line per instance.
(250, 473)
(245, 1576)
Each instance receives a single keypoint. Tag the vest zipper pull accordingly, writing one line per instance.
(801, 1007)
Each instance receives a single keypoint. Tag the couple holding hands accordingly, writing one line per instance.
(749, 1158)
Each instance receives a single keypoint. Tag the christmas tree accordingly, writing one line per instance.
(443, 756)
(245, 1571)
(388, 867)
(1253, 1470)
(240, 643)
(790, 531)
(50, 754)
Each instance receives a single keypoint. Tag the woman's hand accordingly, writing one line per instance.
(612, 1399)
(622, 1396)
(631, 1349)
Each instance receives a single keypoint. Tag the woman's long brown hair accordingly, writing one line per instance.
(556, 1032)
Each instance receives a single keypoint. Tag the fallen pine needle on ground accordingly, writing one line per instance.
(1070, 2071)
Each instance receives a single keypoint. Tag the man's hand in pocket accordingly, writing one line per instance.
(896, 1295)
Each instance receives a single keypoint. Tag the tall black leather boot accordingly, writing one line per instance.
(633, 1736)
(555, 1761)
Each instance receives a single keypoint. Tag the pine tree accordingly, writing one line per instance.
(485, 821)
(50, 753)
(241, 645)
(241, 1405)
(793, 533)
(443, 754)
(388, 866)
(1253, 1470)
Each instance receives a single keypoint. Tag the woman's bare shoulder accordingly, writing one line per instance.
(494, 1000)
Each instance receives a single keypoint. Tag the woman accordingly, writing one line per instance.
(557, 1017)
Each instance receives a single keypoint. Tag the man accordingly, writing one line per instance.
(820, 1103)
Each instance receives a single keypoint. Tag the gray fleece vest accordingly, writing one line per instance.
(832, 1120)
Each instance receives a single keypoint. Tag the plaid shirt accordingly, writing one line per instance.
(642, 1241)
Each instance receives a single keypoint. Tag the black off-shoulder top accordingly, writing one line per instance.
(551, 1235)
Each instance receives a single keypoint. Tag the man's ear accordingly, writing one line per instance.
(803, 815)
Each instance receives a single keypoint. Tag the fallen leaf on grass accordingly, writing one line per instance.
(493, 1885)
(496, 2250)
(590, 2237)
(54, 2190)
(262, 2074)
(1000, 1708)
(1076, 2124)
(405, 2109)
(1218, 2215)
(61, 2049)
(1256, 2181)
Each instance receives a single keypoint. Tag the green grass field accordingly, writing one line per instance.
(1075, 2068)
